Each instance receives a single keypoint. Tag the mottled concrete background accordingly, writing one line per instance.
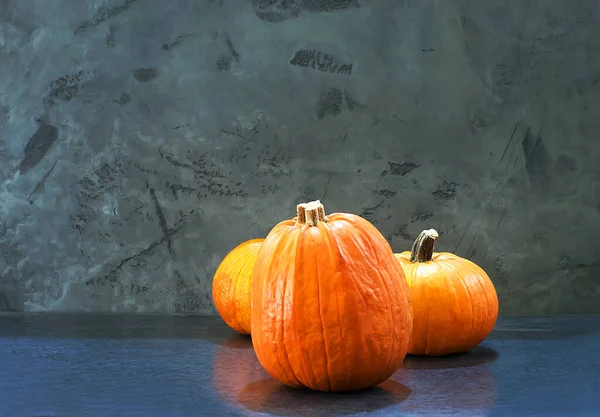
(141, 140)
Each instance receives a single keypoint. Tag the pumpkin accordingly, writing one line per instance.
(330, 306)
(455, 305)
(232, 284)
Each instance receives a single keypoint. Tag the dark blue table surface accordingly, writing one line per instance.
(146, 366)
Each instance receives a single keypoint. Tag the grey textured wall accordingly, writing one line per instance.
(140, 140)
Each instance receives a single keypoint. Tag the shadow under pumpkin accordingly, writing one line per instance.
(423, 385)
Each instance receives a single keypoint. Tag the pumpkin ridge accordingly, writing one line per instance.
(310, 219)
(450, 282)
(453, 299)
(397, 345)
(428, 321)
(342, 249)
(246, 297)
(325, 335)
(299, 271)
(411, 287)
(476, 328)
(285, 369)
(472, 328)
(334, 251)
(234, 312)
(282, 323)
(368, 241)
(485, 295)
(228, 281)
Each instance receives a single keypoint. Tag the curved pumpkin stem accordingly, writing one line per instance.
(422, 250)
(311, 213)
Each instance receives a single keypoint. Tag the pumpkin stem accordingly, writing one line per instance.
(422, 250)
(311, 213)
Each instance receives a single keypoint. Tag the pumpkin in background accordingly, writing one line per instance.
(455, 305)
(330, 306)
(232, 284)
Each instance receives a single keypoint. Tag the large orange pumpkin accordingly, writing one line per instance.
(455, 305)
(232, 284)
(330, 306)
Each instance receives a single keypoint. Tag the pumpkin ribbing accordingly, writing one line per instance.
(455, 305)
(330, 306)
(232, 284)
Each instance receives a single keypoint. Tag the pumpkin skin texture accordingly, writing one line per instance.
(455, 304)
(330, 305)
(232, 285)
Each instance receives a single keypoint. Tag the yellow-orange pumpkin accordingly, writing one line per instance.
(330, 305)
(232, 285)
(455, 305)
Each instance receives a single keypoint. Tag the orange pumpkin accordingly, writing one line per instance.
(330, 305)
(232, 284)
(455, 305)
